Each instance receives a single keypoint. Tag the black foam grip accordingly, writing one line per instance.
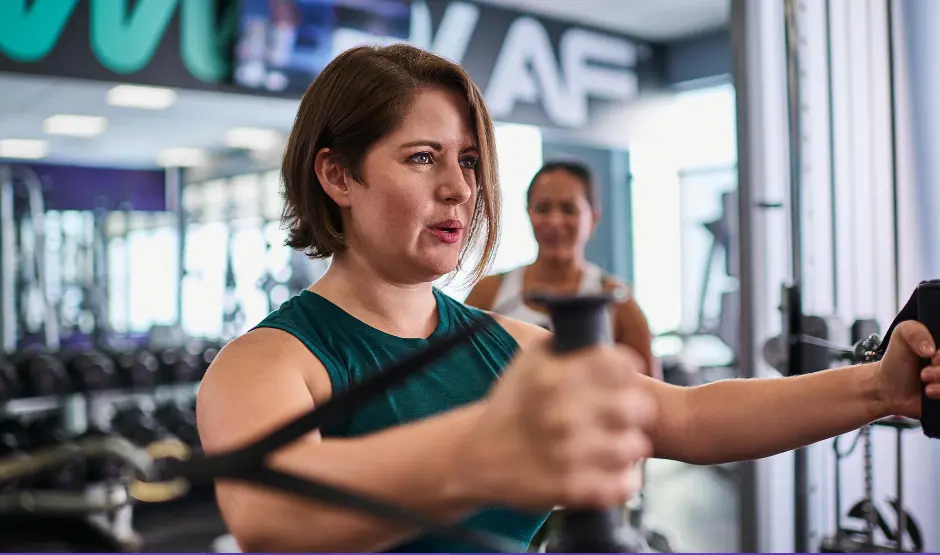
(577, 321)
(928, 313)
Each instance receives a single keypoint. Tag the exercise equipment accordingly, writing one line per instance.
(178, 366)
(575, 326)
(104, 469)
(906, 537)
(24, 291)
(136, 369)
(180, 422)
(12, 438)
(202, 353)
(928, 312)
(46, 431)
(679, 371)
(921, 307)
(580, 322)
(9, 382)
(90, 370)
(139, 427)
(41, 374)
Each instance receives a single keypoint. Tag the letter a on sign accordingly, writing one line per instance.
(527, 71)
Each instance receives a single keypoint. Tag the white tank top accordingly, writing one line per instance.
(509, 301)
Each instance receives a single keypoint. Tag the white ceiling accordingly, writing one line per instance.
(653, 20)
(134, 136)
(200, 119)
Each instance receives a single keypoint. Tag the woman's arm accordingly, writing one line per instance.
(266, 378)
(746, 419)
(632, 329)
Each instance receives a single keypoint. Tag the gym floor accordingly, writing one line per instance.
(695, 507)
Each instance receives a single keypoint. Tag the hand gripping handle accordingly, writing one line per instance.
(579, 322)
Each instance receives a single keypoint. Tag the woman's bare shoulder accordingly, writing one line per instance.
(483, 294)
(524, 333)
(257, 381)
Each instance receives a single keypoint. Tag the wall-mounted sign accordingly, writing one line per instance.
(179, 43)
(532, 69)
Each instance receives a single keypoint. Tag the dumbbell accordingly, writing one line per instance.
(12, 438)
(136, 369)
(204, 353)
(101, 469)
(178, 366)
(179, 422)
(9, 383)
(579, 322)
(44, 432)
(41, 374)
(138, 427)
(89, 370)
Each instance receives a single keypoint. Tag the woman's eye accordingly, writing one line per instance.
(421, 157)
(469, 162)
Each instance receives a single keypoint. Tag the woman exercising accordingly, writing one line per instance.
(391, 170)
(564, 210)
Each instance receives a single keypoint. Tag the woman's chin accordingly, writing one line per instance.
(556, 255)
(435, 267)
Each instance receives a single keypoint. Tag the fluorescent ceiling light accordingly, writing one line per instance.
(147, 98)
(23, 148)
(182, 157)
(74, 126)
(252, 138)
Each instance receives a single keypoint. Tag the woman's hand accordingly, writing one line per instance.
(561, 430)
(902, 372)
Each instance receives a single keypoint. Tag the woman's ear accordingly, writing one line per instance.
(333, 177)
(595, 218)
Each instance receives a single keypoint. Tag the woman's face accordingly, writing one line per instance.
(562, 218)
(411, 215)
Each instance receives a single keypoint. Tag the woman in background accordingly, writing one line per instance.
(564, 209)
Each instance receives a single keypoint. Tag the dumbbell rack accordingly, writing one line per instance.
(100, 515)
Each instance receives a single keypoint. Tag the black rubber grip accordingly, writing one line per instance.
(579, 322)
(928, 314)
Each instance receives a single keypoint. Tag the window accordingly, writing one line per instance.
(697, 135)
(519, 148)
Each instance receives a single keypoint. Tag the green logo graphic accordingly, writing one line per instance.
(123, 40)
(28, 35)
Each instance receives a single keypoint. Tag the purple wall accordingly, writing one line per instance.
(86, 188)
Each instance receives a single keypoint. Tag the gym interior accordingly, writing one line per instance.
(758, 163)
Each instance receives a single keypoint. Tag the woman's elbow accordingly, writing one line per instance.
(249, 522)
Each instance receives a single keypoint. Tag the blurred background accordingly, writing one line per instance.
(740, 146)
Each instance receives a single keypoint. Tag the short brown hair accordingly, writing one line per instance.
(361, 96)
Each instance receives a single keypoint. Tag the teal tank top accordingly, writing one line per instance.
(352, 351)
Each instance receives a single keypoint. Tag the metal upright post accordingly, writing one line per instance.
(794, 301)
(7, 262)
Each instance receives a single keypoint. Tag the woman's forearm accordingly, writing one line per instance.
(411, 466)
(748, 419)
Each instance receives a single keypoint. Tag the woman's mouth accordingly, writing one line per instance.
(447, 232)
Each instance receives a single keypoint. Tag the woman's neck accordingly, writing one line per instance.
(555, 271)
(400, 309)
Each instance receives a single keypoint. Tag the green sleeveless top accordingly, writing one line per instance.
(352, 351)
